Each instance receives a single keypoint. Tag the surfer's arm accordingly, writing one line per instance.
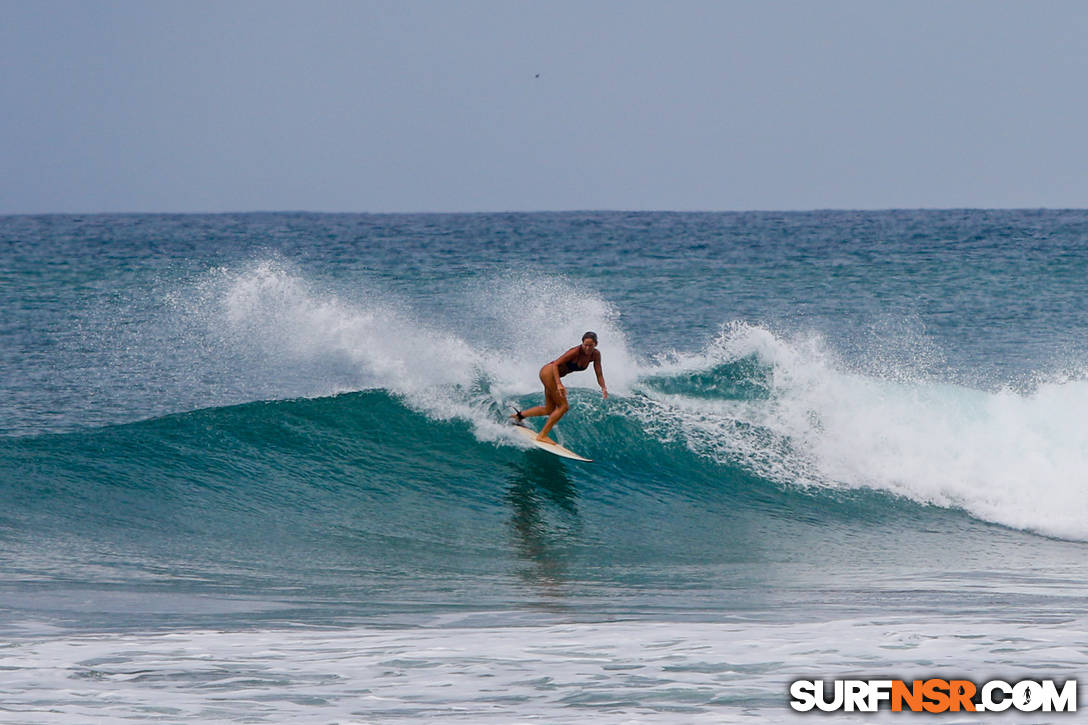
(600, 373)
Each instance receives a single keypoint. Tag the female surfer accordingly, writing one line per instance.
(555, 394)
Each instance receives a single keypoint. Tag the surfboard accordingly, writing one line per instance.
(549, 445)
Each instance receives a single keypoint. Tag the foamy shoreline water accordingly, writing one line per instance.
(612, 672)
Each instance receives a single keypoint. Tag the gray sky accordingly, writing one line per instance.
(435, 106)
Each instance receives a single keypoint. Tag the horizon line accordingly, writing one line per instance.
(479, 212)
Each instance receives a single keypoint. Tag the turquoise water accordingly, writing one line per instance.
(265, 456)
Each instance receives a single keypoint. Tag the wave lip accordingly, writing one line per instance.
(791, 412)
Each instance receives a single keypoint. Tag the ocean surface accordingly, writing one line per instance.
(255, 467)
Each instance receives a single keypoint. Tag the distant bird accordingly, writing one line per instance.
(537, 75)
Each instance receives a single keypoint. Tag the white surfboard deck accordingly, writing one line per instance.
(550, 446)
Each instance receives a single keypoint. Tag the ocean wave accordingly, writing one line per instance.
(780, 413)
(797, 442)
(791, 412)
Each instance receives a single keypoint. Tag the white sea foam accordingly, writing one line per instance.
(281, 335)
(609, 672)
(1014, 458)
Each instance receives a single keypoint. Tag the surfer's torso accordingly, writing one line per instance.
(575, 359)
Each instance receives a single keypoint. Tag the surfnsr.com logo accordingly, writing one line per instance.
(934, 695)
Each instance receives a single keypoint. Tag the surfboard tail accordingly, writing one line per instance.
(548, 445)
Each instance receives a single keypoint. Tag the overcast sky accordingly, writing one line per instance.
(488, 106)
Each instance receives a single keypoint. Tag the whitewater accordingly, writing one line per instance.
(257, 466)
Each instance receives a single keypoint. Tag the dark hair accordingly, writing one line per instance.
(590, 334)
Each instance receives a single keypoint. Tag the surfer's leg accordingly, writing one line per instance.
(559, 407)
(558, 413)
(551, 393)
(537, 410)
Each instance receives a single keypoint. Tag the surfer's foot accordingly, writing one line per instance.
(517, 417)
(544, 439)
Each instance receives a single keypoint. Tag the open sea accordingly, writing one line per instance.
(255, 467)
